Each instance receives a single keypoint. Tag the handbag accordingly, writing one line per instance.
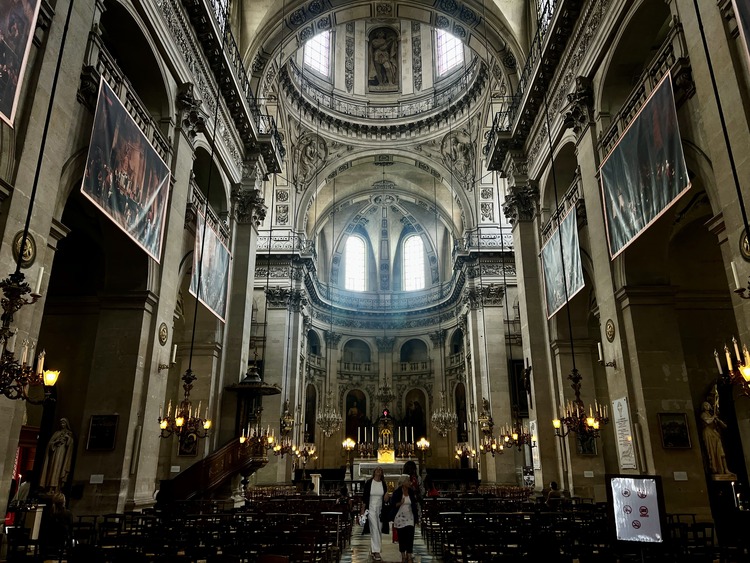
(363, 518)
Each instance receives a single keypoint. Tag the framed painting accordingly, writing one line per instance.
(675, 432)
(102, 432)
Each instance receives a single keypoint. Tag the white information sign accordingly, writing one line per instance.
(624, 434)
(535, 459)
(636, 509)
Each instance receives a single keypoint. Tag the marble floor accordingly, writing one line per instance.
(359, 550)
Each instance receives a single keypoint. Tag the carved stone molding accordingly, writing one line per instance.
(385, 343)
(492, 295)
(520, 204)
(189, 114)
(297, 300)
(278, 297)
(580, 111)
(472, 298)
(438, 338)
(332, 338)
(248, 207)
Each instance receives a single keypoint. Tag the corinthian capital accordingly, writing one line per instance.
(520, 203)
(248, 207)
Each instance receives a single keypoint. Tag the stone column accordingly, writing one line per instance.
(329, 447)
(247, 214)
(521, 207)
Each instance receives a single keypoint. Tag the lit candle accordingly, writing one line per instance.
(24, 351)
(599, 348)
(358, 434)
(174, 353)
(40, 362)
(198, 412)
(399, 433)
(169, 408)
(736, 350)
(412, 434)
(41, 274)
(718, 363)
(735, 275)
(728, 356)
(161, 411)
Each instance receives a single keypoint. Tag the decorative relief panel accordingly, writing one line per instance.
(416, 54)
(486, 193)
(282, 214)
(488, 212)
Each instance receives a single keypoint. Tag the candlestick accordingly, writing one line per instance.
(41, 274)
(736, 277)
(736, 350)
(718, 363)
(599, 349)
(174, 353)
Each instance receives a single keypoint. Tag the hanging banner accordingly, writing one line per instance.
(17, 25)
(125, 177)
(624, 434)
(212, 265)
(742, 13)
(563, 274)
(646, 172)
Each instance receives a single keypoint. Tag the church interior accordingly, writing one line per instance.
(256, 250)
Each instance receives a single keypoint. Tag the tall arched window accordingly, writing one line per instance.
(413, 263)
(318, 53)
(450, 52)
(354, 264)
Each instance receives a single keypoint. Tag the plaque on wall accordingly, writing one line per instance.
(102, 432)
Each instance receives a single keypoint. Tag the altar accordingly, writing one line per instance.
(364, 467)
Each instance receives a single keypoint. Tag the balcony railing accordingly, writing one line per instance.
(357, 367)
(456, 360)
(414, 368)
(672, 56)
(571, 197)
(210, 22)
(438, 99)
(100, 63)
(198, 201)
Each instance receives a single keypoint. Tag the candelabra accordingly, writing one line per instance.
(283, 446)
(464, 451)
(404, 449)
(185, 422)
(286, 422)
(256, 441)
(573, 416)
(738, 375)
(366, 449)
(490, 445)
(347, 450)
(304, 454)
(18, 376)
(518, 435)
(329, 418)
(444, 419)
(423, 450)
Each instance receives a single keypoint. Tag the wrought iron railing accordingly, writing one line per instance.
(198, 201)
(436, 100)
(672, 52)
(505, 119)
(571, 197)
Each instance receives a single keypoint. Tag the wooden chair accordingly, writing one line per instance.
(270, 558)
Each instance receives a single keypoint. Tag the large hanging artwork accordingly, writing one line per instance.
(646, 172)
(125, 177)
(212, 265)
(384, 59)
(17, 24)
(563, 274)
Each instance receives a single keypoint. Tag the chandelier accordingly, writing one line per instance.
(444, 419)
(185, 421)
(305, 453)
(385, 394)
(519, 435)
(18, 375)
(573, 416)
(739, 374)
(464, 451)
(256, 440)
(286, 422)
(329, 418)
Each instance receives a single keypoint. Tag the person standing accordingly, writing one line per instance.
(374, 497)
(404, 501)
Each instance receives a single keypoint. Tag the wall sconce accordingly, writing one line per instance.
(611, 364)
(172, 361)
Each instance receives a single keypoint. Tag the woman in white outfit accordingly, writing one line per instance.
(375, 495)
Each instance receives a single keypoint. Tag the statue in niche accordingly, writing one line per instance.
(311, 156)
(712, 429)
(458, 156)
(383, 67)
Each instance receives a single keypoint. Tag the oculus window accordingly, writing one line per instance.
(318, 53)
(413, 263)
(354, 264)
(450, 52)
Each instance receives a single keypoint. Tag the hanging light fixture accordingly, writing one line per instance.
(329, 418)
(738, 373)
(19, 376)
(444, 419)
(572, 416)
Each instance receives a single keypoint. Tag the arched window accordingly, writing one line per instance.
(354, 264)
(318, 53)
(413, 263)
(450, 52)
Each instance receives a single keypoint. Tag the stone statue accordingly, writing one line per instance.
(311, 156)
(458, 156)
(712, 427)
(57, 461)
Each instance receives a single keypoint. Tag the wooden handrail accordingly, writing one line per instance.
(209, 473)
